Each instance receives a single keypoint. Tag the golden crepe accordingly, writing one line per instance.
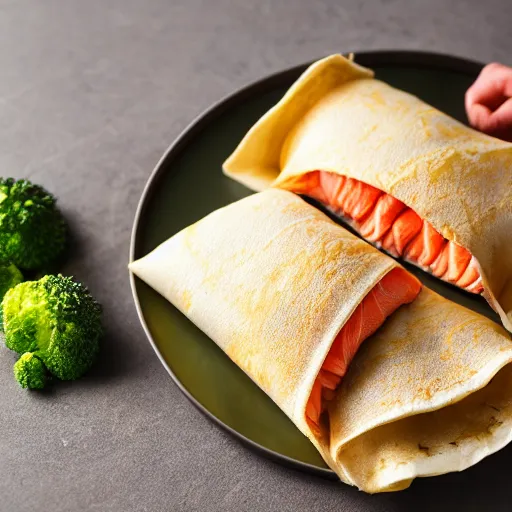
(407, 177)
(274, 282)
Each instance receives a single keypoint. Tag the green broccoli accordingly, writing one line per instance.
(32, 229)
(56, 320)
(9, 276)
(30, 371)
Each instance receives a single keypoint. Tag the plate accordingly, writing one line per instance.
(187, 184)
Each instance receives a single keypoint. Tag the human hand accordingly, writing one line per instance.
(489, 101)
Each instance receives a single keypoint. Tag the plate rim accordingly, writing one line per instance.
(372, 58)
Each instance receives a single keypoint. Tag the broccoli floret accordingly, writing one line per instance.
(9, 276)
(32, 229)
(30, 371)
(57, 320)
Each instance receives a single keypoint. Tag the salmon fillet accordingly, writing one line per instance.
(396, 288)
(390, 224)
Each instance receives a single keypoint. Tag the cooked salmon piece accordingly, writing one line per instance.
(382, 216)
(396, 288)
(425, 247)
(470, 275)
(404, 229)
(388, 223)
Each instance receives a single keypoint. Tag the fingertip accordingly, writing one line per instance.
(491, 67)
(468, 98)
(479, 116)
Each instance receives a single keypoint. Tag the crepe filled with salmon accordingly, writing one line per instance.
(387, 381)
(407, 177)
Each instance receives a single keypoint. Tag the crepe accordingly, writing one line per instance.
(274, 282)
(455, 182)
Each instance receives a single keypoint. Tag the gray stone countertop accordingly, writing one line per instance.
(91, 94)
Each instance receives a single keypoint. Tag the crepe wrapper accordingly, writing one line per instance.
(272, 281)
(338, 118)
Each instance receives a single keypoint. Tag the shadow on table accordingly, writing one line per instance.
(114, 359)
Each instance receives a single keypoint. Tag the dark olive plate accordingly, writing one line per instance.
(187, 184)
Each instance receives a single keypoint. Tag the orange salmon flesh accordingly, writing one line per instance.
(396, 288)
(390, 224)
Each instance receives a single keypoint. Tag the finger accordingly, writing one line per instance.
(479, 116)
(482, 89)
(492, 87)
(500, 121)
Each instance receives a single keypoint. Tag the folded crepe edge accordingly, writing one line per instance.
(502, 304)
(475, 448)
(400, 478)
(257, 167)
(456, 393)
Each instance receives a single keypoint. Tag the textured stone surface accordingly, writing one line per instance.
(91, 94)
